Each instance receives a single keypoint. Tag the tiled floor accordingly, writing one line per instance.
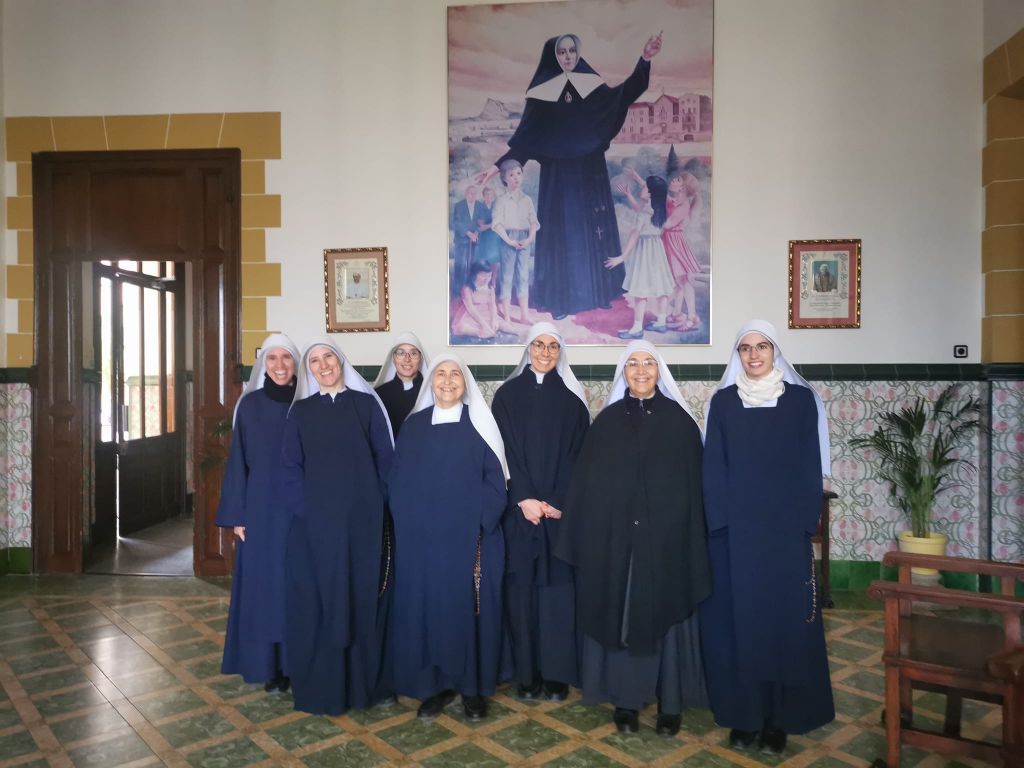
(107, 671)
(164, 549)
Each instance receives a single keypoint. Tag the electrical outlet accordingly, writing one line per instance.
(959, 350)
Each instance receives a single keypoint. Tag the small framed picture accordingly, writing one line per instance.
(356, 289)
(824, 283)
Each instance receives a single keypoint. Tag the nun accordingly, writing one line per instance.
(251, 504)
(447, 493)
(337, 453)
(400, 378)
(633, 528)
(764, 641)
(541, 410)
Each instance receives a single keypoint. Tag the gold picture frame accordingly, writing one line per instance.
(824, 283)
(356, 290)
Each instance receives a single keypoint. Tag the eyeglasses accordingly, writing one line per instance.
(407, 354)
(763, 347)
(539, 346)
(647, 362)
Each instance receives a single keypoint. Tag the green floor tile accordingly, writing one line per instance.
(40, 661)
(80, 698)
(137, 684)
(15, 615)
(102, 720)
(351, 754)
(381, 712)
(8, 716)
(792, 748)
(162, 635)
(414, 735)
(231, 754)
(645, 745)
(168, 703)
(90, 618)
(267, 707)
(829, 762)
(89, 634)
(820, 734)
(697, 722)
(581, 717)
(849, 652)
(867, 635)
(705, 759)
(127, 664)
(864, 680)
(68, 609)
(853, 705)
(583, 758)
(234, 687)
(15, 648)
(209, 611)
(304, 732)
(19, 631)
(217, 625)
(192, 649)
(160, 619)
(112, 752)
(17, 744)
(136, 609)
(51, 681)
(527, 738)
(204, 668)
(181, 733)
(464, 756)
(869, 745)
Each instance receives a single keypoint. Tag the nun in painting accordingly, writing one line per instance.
(400, 378)
(541, 410)
(633, 528)
(447, 493)
(570, 118)
(251, 504)
(337, 453)
(764, 641)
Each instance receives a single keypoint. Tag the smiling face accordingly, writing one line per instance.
(280, 365)
(544, 352)
(757, 354)
(448, 384)
(325, 365)
(407, 361)
(566, 53)
(641, 371)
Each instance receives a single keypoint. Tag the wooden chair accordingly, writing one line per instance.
(945, 652)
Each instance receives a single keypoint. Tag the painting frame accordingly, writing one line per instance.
(356, 290)
(824, 283)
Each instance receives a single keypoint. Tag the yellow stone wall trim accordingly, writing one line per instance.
(1004, 293)
(257, 134)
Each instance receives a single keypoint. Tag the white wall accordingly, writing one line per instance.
(1003, 19)
(832, 119)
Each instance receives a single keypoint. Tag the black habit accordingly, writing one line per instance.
(398, 401)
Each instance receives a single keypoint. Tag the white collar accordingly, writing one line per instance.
(446, 415)
(551, 90)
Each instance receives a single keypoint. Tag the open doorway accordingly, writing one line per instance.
(141, 522)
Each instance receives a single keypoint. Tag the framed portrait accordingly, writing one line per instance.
(580, 170)
(356, 289)
(824, 283)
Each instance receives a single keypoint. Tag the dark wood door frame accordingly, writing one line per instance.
(194, 198)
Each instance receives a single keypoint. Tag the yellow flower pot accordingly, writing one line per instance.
(933, 544)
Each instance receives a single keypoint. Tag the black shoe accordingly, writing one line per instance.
(560, 316)
(555, 691)
(432, 707)
(742, 740)
(668, 725)
(279, 683)
(626, 720)
(475, 707)
(772, 741)
(530, 692)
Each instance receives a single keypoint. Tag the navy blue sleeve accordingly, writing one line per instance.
(493, 495)
(293, 462)
(808, 470)
(380, 444)
(716, 469)
(231, 509)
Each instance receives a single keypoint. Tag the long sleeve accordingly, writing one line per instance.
(493, 495)
(575, 446)
(293, 467)
(380, 445)
(231, 509)
(520, 486)
(716, 471)
(808, 470)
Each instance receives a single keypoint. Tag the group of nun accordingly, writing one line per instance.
(406, 539)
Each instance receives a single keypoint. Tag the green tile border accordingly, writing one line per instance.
(15, 560)
(15, 375)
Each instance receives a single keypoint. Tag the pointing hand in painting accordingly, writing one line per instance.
(652, 47)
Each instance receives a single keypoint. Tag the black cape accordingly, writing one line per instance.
(542, 427)
(398, 401)
(635, 515)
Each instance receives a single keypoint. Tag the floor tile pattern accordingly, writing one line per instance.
(99, 672)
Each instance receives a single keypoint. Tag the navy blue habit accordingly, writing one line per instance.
(542, 426)
(763, 636)
(250, 496)
(578, 229)
(337, 454)
(399, 401)
(447, 494)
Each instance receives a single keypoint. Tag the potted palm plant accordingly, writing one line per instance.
(913, 450)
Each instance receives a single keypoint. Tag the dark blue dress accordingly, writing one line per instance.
(542, 426)
(250, 496)
(464, 249)
(336, 454)
(447, 494)
(763, 637)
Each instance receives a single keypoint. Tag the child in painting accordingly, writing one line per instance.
(648, 277)
(488, 247)
(476, 313)
(514, 220)
(683, 204)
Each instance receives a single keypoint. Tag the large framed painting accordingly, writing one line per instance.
(580, 167)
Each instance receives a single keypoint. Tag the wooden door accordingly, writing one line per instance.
(152, 206)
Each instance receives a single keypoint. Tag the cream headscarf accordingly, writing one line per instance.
(388, 372)
(479, 414)
(259, 368)
(789, 375)
(562, 366)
